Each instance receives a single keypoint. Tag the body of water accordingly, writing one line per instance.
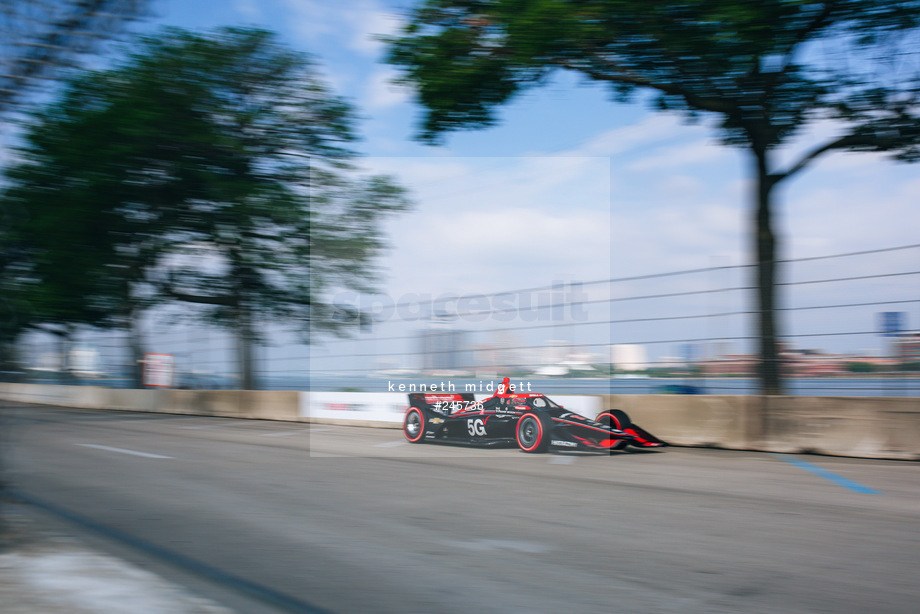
(847, 387)
(907, 386)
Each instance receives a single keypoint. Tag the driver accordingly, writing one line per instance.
(506, 387)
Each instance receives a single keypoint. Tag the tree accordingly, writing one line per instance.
(214, 169)
(63, 206)
(860, 367)
(13, 310)
(39, 38)
(758, 67)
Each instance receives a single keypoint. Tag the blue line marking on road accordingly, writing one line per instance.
(827, 475)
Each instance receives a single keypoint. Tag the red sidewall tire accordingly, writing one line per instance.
(540, 441)
(618, 419)
(412, 415)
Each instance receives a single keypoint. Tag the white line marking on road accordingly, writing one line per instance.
(217, 424)
(561, 460)
(322, 430)
(283, 433)
(490, 545)
(390, 444)
(122, 450)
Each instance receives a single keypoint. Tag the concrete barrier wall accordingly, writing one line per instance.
(693, 420)
(374, 409)
(256, 404)
(878, 427)
(868, 427)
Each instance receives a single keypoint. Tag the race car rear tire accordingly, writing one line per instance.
(617, 419)
(414, 425)
(533, 432)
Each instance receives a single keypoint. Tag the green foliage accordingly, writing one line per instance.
(860, 367)
(665, 372)
(753, 64)
(213, 169)
(53, 229)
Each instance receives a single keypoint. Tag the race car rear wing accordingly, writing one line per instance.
(429, 400)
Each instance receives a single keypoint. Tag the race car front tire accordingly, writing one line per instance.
(533, 432)
(414, 425)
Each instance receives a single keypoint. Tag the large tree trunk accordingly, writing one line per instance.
(245, 354)
(65, 376)
(135, 349)
(9, 360)
(770, 369)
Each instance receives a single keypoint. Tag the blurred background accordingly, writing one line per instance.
(271, 223)
(585, 196)
(678, 331)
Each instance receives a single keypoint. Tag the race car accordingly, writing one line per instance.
(532, 421)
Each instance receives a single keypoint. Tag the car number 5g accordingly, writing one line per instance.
(476, 427)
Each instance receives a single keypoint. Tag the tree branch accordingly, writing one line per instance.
(817, 23)
(51, 329)
(841, 143)
(618, 74)
(52, 47)
(804, 34)
(200, 299)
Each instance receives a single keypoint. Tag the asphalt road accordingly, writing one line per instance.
(340, 519)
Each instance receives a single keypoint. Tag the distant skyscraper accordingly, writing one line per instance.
(443, 350)
(628, 357)
(907, 347)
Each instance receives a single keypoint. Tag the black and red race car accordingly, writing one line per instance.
(532, 421)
